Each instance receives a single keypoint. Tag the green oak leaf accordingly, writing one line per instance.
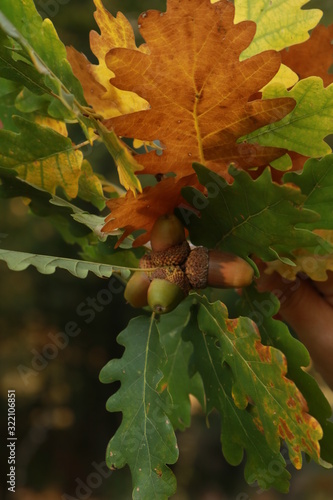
(18, 70)
(145, 439)
(8, 92)
(304, 129)
(90, 186)
(254, 216)
(41, 156)
(47, 264)
(261, 307)
(239, 433)
(316, 183)
(176, 375)
(43, 48)
(260, 384)
(279, 24)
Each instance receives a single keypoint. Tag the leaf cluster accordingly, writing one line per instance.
(225, 110)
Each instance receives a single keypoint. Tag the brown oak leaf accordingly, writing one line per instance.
(198, 90)
(313, 57)
(142, 211)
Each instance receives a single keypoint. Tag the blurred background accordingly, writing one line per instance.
(62, 425)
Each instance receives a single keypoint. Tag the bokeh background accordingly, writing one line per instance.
(62, 425)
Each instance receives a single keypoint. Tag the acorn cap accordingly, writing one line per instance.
(146, 261)
(166, 232)
(173, 256)
(175, 275)
(196, 267)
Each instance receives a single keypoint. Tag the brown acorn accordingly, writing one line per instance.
(217, 269)
(136, 289)
(167, 232)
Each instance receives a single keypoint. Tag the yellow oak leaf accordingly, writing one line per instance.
(313, 265)
(107, 100)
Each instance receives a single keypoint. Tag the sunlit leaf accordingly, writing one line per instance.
(306, 127)
(198, 90)
(48, 68)
(104, 97)
(279, 24)
(90, 186)
(126, 164)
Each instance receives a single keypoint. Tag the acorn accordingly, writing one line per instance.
(136, 289)
(167, 232)
(218, 269)
(164, 296)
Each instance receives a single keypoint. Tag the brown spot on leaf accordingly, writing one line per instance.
(291, 402)
(286, 430)
(263, 351)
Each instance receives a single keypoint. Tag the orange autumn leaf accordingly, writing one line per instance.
(106, 100)
(198, 90)
(313, 57)
(143, 210)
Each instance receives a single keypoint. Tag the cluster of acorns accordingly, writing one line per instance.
(172, 269)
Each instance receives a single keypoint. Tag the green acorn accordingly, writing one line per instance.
(136, 289)
(164, 296)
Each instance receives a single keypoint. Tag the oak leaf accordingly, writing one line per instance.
(316, 184)
(314, 57)
(41, 156)
(278, 408)
(197, 88)
(279, 25)
(106, 100)
(308, 124)
(142, 211)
